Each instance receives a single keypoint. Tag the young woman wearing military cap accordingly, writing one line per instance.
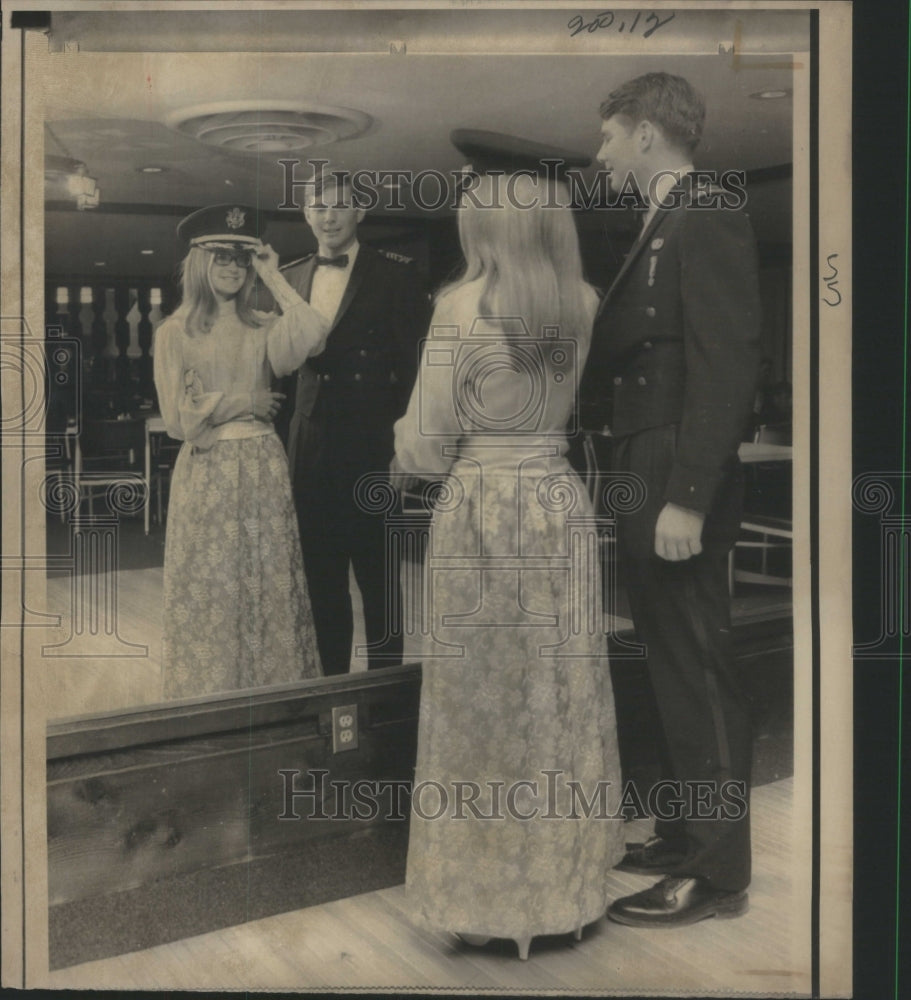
(236, 608)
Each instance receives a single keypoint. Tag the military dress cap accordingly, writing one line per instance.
(231, 226)
(496, 152)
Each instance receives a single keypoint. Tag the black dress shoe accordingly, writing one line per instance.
(655, 857)
(673, 902)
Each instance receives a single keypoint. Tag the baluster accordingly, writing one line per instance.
(52, 307)
(74, 323)
(122, 340)
(144, 329)
(99, 334)
(169, 297)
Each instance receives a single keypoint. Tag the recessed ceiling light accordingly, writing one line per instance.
(99, 263)
(147, 252)
(770, 95)
(152, 170)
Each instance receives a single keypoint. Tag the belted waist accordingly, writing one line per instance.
(513, 451)
(237, 430)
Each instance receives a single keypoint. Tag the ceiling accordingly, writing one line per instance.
(115, 102)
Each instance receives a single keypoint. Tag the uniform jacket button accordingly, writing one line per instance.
(618, 380)
(326, 378)
(357, 376)
(651, 311)
(647, 345)
(363, 353)
(641, 380)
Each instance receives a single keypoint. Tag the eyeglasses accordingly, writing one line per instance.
(225, 257)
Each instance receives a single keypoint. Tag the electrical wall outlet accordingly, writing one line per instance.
(344, 728)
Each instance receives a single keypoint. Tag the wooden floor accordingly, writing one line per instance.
(368, 942)
(102, 678)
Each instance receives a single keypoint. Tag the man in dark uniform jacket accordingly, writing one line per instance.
(346, 401)
(676, 351)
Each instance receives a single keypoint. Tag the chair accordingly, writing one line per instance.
(108, 454)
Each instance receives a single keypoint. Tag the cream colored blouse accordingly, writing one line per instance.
(205, 381)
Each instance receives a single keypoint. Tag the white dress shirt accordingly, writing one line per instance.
(329, 284)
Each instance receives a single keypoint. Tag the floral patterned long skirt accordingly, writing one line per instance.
(236, 606)
(513, 828)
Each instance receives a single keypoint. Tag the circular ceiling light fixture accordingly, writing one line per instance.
(152, 169)
(770, 95)
(268, 126)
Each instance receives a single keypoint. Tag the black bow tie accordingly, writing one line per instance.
(340, 261)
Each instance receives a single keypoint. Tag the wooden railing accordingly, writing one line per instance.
(112, 322)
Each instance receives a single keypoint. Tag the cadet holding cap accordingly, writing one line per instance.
(236, 609)
(340, 433)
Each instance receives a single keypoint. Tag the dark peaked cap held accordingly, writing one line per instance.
(490, 152)
(222, 225)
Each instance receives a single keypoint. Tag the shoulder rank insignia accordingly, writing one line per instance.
(400, 257)
(657, 243)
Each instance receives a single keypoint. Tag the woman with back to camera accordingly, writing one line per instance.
(236, 608)
(516, 698)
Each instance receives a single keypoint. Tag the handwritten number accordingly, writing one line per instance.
(658, 24)
(606, 18)
(831, 280)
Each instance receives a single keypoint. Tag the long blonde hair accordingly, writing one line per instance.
(199, 303)
(528, 257)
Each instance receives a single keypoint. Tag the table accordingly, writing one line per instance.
(759, 451)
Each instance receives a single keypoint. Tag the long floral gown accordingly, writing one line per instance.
(236, 606)
(516, 697)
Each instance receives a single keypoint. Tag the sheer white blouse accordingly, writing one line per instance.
(205, 381)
